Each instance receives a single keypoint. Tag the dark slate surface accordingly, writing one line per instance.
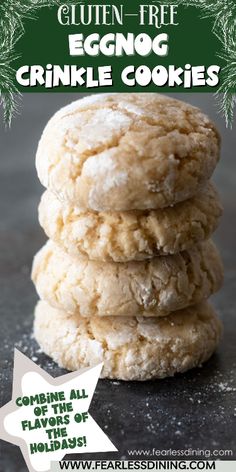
(192, 411)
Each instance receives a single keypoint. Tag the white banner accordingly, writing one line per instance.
(161, 465)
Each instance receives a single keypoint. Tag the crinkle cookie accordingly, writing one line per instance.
(148, 288)
(116, 152)
(134, 348)
(134, 235)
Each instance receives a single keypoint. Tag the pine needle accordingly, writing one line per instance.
(223, 15)
(12, 16)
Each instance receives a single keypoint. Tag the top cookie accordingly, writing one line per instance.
(127, 151)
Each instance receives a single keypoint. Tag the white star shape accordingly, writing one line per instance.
(17, 423)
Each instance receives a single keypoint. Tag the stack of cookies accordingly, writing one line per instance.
(129, 210)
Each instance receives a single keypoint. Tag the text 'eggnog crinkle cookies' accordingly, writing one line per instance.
(129, 210)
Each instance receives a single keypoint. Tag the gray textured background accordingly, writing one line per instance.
(196, 410)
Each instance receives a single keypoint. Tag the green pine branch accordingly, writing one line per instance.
(12, 16)
(223, 15)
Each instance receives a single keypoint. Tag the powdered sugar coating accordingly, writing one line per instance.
(164, 149)
(134, 235)
(131, 348)
(148, 288)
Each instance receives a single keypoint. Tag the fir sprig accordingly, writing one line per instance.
(223, 15)
(12, 16)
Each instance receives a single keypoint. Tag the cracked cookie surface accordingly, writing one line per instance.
(149, 288)
(134, 348)
(134, 235)
(119, 152)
